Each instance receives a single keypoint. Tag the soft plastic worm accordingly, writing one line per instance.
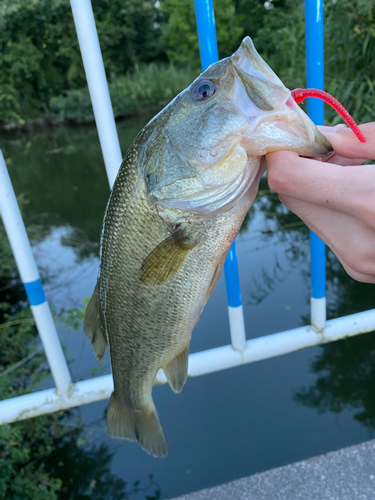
(299, 95)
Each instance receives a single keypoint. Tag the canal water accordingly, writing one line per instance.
(229, 424)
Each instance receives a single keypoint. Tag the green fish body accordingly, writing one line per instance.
(178, 202)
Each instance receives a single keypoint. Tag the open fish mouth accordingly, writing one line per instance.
(290, 126)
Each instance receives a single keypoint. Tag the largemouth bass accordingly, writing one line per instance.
(178, 202)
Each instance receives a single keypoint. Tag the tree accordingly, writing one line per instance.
(179, 31)
(40, 56)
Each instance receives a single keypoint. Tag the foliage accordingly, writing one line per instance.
(20, 444)
(349, 44)
(179, 32)
(346, 377)
(46, 457)
(349, 39)
(357, 96)
(147, 85)
(42, 74)
(280, 41)
(74, 105)
(253, 14)
(150, 85)
(129, 32)
(39, 53)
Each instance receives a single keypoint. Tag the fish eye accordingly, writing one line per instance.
(203, 90)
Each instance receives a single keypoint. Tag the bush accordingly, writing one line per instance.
(147, 85)
(40, 57)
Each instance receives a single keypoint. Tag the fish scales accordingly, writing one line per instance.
(136, 229)
(178, 202)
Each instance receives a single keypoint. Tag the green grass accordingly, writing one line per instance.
(357, 97)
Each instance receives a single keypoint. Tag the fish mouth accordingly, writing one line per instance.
(250, 62)
(277, 113)
(312, 134)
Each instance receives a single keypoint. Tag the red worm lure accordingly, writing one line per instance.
(299, 95)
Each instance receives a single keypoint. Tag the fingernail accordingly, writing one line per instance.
(340, 125)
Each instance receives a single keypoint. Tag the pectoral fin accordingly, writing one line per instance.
(166, 259)
(94, 325)
(176, 371)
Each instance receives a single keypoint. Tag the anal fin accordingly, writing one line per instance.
(214, 279)
(94, 327)
(176, 371)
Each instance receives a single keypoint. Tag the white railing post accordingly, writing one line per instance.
(23, 255)
(97, 82)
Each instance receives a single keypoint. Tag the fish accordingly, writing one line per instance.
(178, 202)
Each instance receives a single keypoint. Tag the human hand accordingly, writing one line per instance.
(334, 196)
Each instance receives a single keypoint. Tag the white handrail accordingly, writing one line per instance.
(200, 363)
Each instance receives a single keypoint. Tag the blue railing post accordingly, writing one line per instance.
(315, 79)
(204, 13)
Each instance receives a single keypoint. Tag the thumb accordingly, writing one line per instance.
(345, 143)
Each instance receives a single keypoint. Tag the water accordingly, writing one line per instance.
(229, 424)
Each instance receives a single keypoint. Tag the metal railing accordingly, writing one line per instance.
(67, 394)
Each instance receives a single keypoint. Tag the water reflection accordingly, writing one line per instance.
(83, 469)
(248, 411)
(270, 223)
(345, 379)
(61, 174)
(345, 295)
(345, 370)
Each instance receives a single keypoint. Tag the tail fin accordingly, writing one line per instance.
(137, 425)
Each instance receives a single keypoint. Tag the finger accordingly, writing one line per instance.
(353, 248)
(340, 160)
(345, 162)
(320, 183)
(324, 129)
(345, 143)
